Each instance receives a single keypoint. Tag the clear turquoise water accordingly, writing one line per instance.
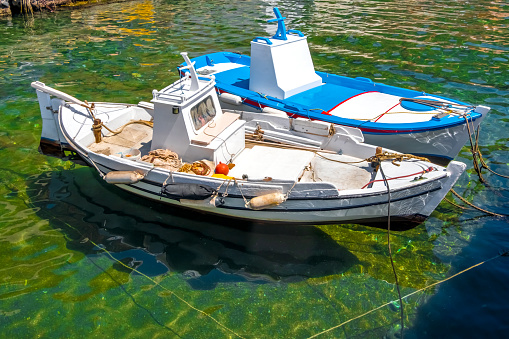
(257, 282)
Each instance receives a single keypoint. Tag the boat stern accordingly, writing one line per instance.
(52, 141)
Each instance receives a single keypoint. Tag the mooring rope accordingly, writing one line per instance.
(119, 130)
(501, 254)
(474, 149)
(456, 205)
(389, 245)
(474, 206)
(476, 152)
(155, 282)
(132, 298)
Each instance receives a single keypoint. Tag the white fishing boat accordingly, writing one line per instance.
(182, 149)
(280, 76)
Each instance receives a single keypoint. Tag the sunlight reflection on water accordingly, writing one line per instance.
(257, 281)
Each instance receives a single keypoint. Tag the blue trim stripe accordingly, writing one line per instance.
(236, 81)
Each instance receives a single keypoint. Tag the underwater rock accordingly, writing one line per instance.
(394, 332)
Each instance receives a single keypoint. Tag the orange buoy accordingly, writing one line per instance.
(222, 169)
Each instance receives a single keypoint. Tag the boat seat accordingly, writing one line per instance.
(214, 128)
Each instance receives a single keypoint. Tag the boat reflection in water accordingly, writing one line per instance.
(155, 240)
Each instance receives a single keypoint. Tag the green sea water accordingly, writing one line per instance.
(69, 243)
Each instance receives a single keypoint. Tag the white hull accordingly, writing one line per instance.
(440, 146)
(326, 180)
(408, 207)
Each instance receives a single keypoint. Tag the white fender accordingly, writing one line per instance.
(230, 99)
(123, 177)
(274, 111)
(266, 201)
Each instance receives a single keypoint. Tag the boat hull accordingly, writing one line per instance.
(409, 206)
(409, 199)
(440, 146)
(373, 108)
(397, 222)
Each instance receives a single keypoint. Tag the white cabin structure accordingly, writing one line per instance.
(188, 120)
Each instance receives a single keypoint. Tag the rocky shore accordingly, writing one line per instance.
(20, 7)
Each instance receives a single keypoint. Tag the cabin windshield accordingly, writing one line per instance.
(203, 112)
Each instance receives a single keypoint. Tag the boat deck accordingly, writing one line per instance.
(136, 136)
(260, 162)
(362, 103)
(345, 172)
(326, 96)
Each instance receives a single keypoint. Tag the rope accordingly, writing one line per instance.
(434, 103)
(290, 190)
(481, 159)
(484, 165)
(118, 131)
(502, 254)
(456, 205)
(473, 206)
(446, 107)
(389, 246)
(90, 108)
(379, 155)
(474, 149)
(98, 125)
(341, 162)
(225, 194)
(132, 297)
(212, 124)
(395, 156)
(382, 156)
(155, 282)
(246, 203)
(276, 145)
(386, 113)
(429, 169)
(262, 95)
(319, 109)
(409, 112)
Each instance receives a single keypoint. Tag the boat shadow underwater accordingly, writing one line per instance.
(154, 240)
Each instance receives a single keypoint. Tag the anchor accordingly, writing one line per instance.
(281, 29)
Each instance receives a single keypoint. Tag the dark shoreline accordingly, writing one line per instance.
(57, 5)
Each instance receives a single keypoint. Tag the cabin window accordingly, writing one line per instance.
(203, 112)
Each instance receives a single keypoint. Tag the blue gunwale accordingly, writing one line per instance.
(236, 81)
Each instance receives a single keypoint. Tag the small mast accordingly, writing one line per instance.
(192, 71)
